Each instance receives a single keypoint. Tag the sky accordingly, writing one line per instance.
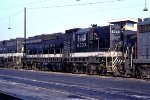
(52, 16)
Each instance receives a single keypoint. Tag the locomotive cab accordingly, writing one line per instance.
(92, 39)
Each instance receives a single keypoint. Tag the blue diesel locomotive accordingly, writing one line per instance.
(93, 50)
(11, 53)
(44, 52)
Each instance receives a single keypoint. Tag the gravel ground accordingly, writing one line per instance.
(28, 92)
(34, 85)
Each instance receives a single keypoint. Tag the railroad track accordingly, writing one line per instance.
(5, 96)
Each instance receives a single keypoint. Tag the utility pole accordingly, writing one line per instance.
(24, 31)
(24, 52)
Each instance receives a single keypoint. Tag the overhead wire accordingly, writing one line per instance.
(57, 6)
(72, 5)
(89, 12)
(79, 13)
(34, 2)
(25, 4)
(18, 12)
